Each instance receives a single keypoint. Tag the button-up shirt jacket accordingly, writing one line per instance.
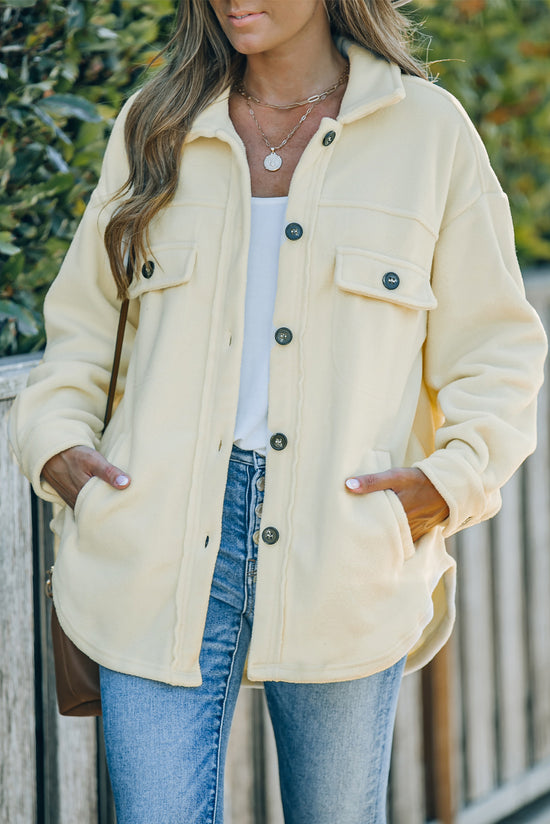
(401, 336)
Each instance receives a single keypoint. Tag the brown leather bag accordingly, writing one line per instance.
(76, 675)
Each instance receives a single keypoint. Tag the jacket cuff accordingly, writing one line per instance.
(461, 487)
(45, 441)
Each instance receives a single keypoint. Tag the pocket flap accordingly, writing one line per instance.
(170, 264)
(383, 278)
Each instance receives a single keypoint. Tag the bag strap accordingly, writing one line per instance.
(116, 361)
(118, 346)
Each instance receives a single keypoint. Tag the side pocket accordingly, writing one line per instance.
(58, 521)
(384, 461)
(83, 494)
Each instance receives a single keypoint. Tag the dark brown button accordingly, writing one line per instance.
(270, 535)
(329, 138)
(283, 335)
(148, 268)
(278, 441)
(294, 231)
(391, 280)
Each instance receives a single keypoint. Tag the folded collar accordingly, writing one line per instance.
(373, 84)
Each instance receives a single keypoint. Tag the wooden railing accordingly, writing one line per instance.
(472, 740)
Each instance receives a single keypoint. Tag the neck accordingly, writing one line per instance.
(294, 72)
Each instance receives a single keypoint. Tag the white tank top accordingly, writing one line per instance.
(266, 233)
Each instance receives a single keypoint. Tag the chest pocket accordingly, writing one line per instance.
(379, 319)
(170, 264)
(383, 278)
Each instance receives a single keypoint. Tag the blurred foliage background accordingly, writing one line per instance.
(494, 55)
(65, 69)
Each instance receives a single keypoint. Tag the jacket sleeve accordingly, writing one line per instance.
(485, 349)
(64, 402)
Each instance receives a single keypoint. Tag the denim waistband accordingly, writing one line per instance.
(255, 459)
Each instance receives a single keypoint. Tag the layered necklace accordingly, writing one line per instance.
(274, 161)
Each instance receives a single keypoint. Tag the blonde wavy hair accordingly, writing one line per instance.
(200, 64)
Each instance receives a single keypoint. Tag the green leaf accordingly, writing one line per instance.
(8, 338)
(48, 121)
(8, 248)
(12, 268)
(7, 220)
(107, 34)
(69, 105)
(32, 196)
(11, 311)
(21, 4)
(57, 159)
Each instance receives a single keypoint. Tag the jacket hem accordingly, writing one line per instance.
(127, 666)
(267, 672)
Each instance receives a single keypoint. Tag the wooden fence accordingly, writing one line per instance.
(472, 740)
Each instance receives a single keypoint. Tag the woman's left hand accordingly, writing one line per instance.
(424, 506)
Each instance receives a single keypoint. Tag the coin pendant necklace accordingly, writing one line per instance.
(274, 161)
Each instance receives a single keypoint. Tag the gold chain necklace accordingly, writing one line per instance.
(314, 98)
(274, 161)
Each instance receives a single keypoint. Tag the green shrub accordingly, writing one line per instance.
(66, 67)
(65, 70)
(494, 55)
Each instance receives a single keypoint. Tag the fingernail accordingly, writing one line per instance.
(352, 483)
(122, 480)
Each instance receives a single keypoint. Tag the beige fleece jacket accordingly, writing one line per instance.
(437, 366)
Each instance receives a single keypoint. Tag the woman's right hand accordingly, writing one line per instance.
(68, 471)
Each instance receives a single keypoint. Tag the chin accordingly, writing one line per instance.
(251, 45)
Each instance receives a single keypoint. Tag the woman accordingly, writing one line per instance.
(330, 366)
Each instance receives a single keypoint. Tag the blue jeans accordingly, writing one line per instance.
(166, 745)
